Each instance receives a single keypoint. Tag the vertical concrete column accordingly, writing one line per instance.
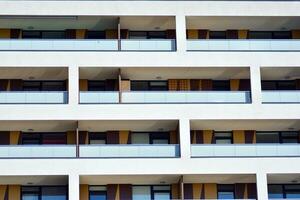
(73, 85)
(74, 187)
(185, 141)
(180, 33)
(255, 78)
(262, 186)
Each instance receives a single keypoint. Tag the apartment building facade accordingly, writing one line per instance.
(149, 100)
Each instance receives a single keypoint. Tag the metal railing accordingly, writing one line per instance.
(129, 151)
(245, 150)
(279, 96)
(101, 97)
(37, 151)
(33, 97)
(243, 45)
(186, 97)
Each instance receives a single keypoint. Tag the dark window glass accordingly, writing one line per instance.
(275, 191)
(223, 85)
(54, 138)
(139, 86)
(161, 192)
(160, 138)
(156, 35)
(223, 137)
(53, 86)
(260, 35)
(97, 195)
(217, 35)
(138, 35)
(31, 86)
(267, 137)
(282, 35)
(95, 35)
(149, 85)
(53, 34)
(54, 193)
(97, 138)
(286, 85)
(268, 85)
(96, 86)
(31, 34)
(289, 137)
(226, 191)
(31, 138)
(158, 85)
(30, 193)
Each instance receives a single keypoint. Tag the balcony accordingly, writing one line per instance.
(281, 96)
(187, 97)
(37, 151)
(148, 45)
(30, 97)
(89, 97)
(243, 45)
(130, 151)
(245, 150)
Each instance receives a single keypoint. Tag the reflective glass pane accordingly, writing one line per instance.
(161, 196)
(30, 197)
(141, 193)
(54, 193)
(267, 137)
(225, 195)
(275, 191)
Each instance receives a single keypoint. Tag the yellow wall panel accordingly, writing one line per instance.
(238, 137)
(14, 192)
(4, 33)
(3, 189)
(234, 84)
(14, 137)
(124, 137)
(80, 33)
(175, 188)
(173, 84)
(242, 34)
(111, 34)
(197, 188)
(84, 192)
(207, 136)
(192, 34)
(125, 85)
(71, 137)
(210, 190)
(296, 34)
(83, 85)
(173, 137)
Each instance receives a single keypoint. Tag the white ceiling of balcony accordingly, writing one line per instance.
(219, 178)
(259, 125)
(280, 73)
(164, 73)
(283, 178)
(134, 179)
(37, 126)
(132, 125)
(34, 73)
(87, 22)
(33, 180)
(241, 22)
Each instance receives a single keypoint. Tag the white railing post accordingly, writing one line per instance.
(185, 141)
(255, 77)
(73, 85)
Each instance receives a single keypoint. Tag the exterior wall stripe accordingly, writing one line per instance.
(84, 192)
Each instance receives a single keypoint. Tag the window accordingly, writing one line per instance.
(217, 35)
(96, 35)
(96, 85)
(260, 35)
(44, 86)
(141, 192)
(275, 191)
(97, 193)
(149, 85)
(44, 193)
(140, 138)
(97, 138)
(226, 191)
(289, 137)
(150, 138)
(161, 192)
(282, 35)
(292, 191)
(223, 85)
(43, 34)
(268, 85)
(147, 34)
(223, 137)
(159, 138)
(44, 138)
(267, 137)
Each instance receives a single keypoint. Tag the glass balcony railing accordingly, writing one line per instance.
(57, 45)
(89, 97)
(129, 151)
(244, 150)
(187, 97)
(37, 151)
(33, 97)
(243, 45)
(148, 45)
(280, 96)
